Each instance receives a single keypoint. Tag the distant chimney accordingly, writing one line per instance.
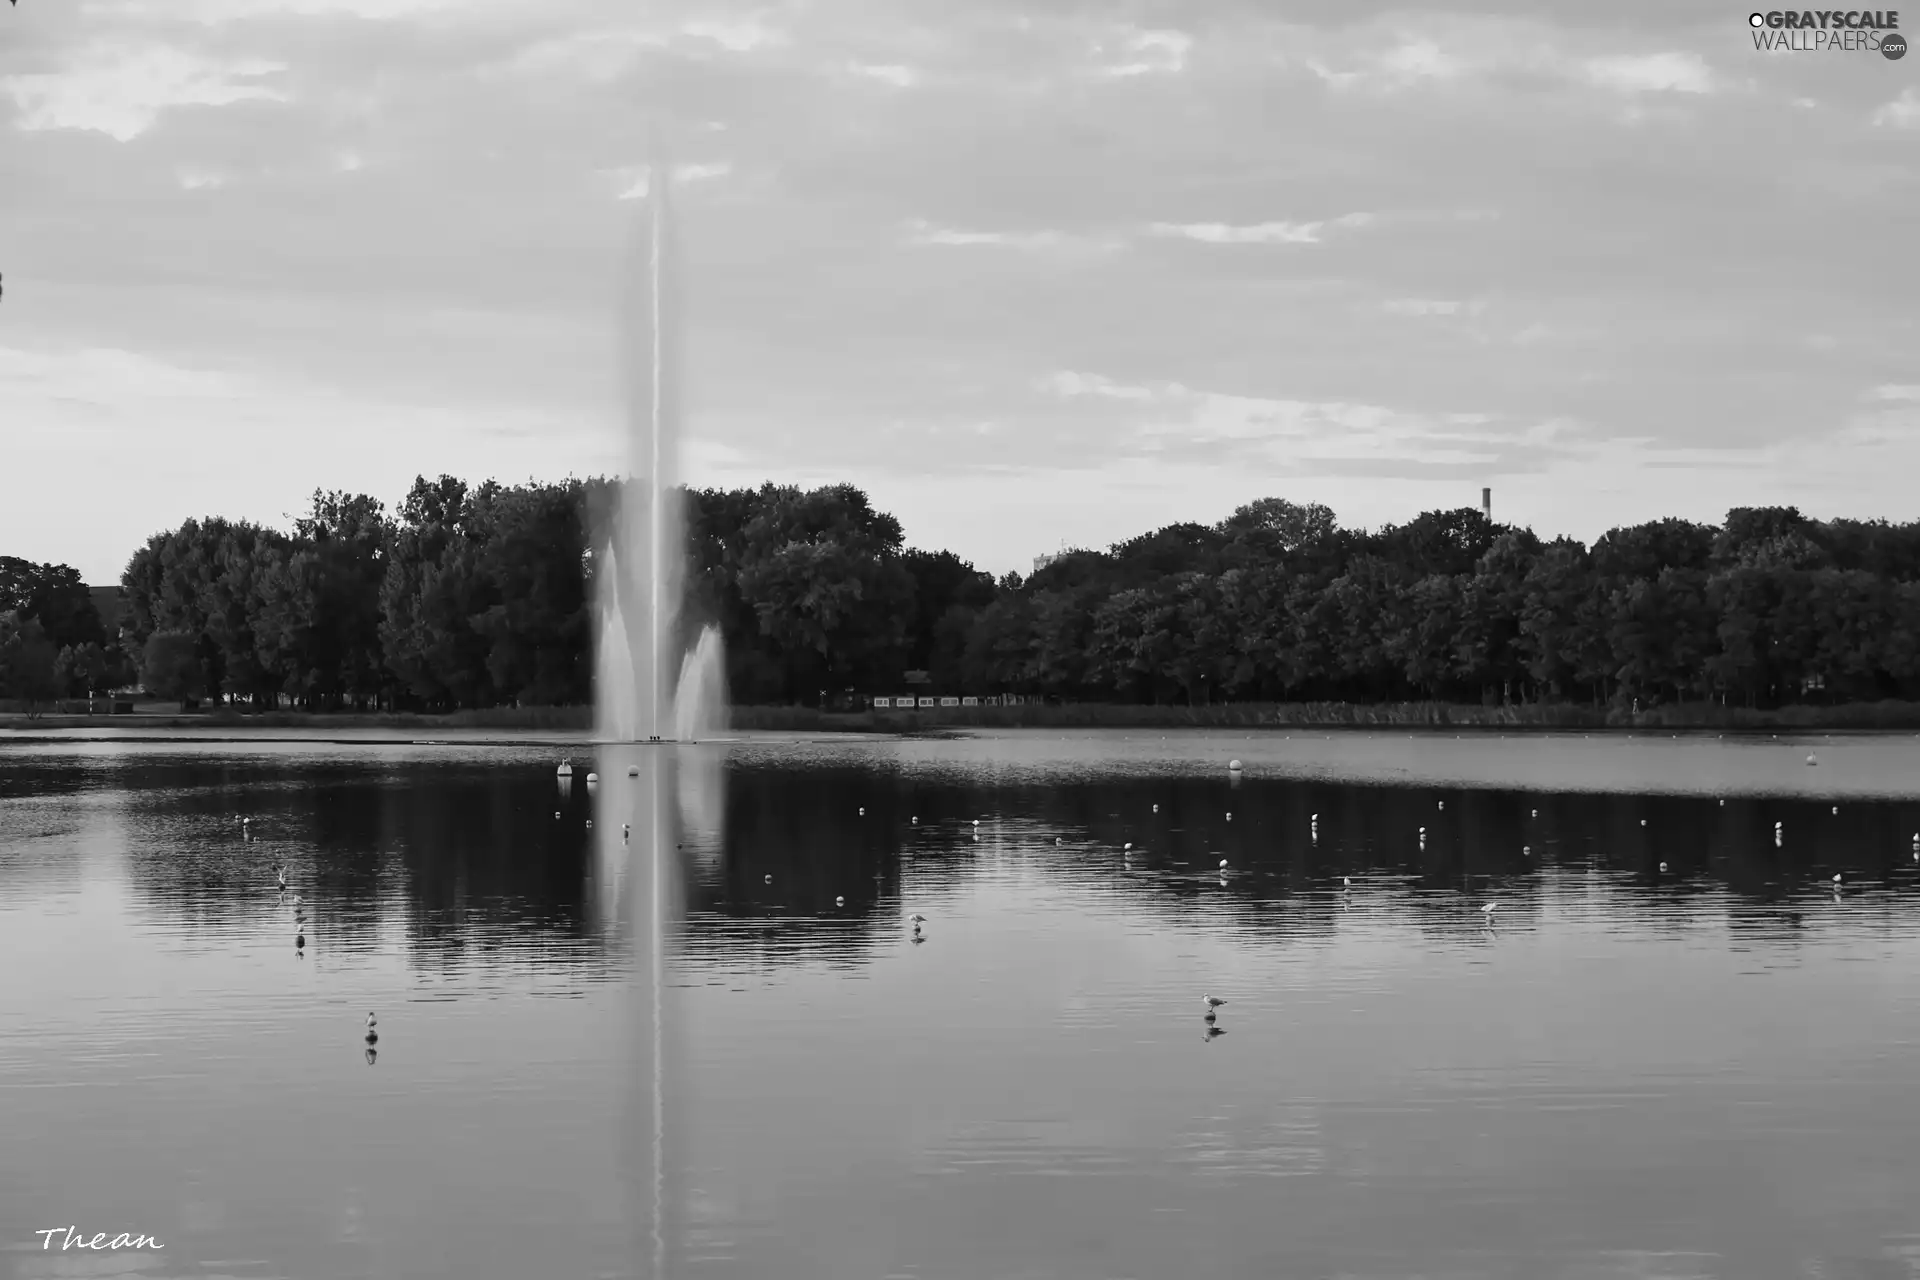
(1486, 503)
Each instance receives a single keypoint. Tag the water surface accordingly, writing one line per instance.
(1691, 1071)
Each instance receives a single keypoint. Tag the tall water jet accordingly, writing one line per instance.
(700, 699)
(639, 580)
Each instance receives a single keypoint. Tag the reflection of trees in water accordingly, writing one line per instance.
(802, 826)
(467, 857)
(469, 860)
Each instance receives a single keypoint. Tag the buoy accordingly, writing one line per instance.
(1526, 851)
(565, 770)
(916, 819)
(1229, 817)
(1811, 760)
(633, 771)
(1643, 822)
(1233, 766)
(1663, 866)
(592, 778)
(1443, 806)
(556, 813)
(1836, 808)
(1533, 813)
(839, 902)
(1156, 808)
(767, 880)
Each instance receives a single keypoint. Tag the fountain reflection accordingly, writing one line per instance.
(651, 802)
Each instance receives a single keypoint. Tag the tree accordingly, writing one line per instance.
(27, 660)
(170, 667)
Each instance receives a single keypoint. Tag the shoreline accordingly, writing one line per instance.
(540, 726)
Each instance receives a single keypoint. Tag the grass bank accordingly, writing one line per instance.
(1890, 715)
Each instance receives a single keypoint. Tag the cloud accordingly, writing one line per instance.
(1652, 73)
(1902, 113)
(1898, 393)
(1430, 307)
(634, 182)
(743, 36)
(122, 91)
(898, 77)
(921, 232)
(1146, 53)
(1259, 232)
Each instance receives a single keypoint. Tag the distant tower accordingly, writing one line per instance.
(1486, 503)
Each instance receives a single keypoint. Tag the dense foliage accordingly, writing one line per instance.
(481, 596)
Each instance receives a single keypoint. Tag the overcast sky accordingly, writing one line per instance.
(1030, 273)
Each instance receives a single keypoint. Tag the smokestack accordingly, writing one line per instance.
(1486, 503)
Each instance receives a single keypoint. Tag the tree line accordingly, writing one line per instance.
(477, 596)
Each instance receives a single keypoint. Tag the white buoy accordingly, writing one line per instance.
(767, 880)
(863, 812)
(633, 771)
(916, 819)
(1526, 851)
(1229, 817)
(592, 778)
(565, 770)
(1233, 766)
(1533, 813)
(1836, 809)
(1156, 808)
(1443, 806)
(1663, 866)
(839, 902)
(1643, 822)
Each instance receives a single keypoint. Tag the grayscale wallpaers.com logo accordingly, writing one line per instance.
(1829, 31)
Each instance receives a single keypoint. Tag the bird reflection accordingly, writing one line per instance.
(372, 1053)
(1213, 1032)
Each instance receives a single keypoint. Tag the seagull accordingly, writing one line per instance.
(372, 1035)
(626, 830)
(1488, 911)
(1214, 1002)
(1223, 864)
(917, 919)
(1836, 877)
(1346, 882)
(282, 874)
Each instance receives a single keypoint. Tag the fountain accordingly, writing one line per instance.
(649, 685)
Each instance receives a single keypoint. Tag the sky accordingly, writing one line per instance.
(1032, 274)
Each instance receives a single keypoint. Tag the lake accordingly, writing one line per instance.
(680, 1023)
